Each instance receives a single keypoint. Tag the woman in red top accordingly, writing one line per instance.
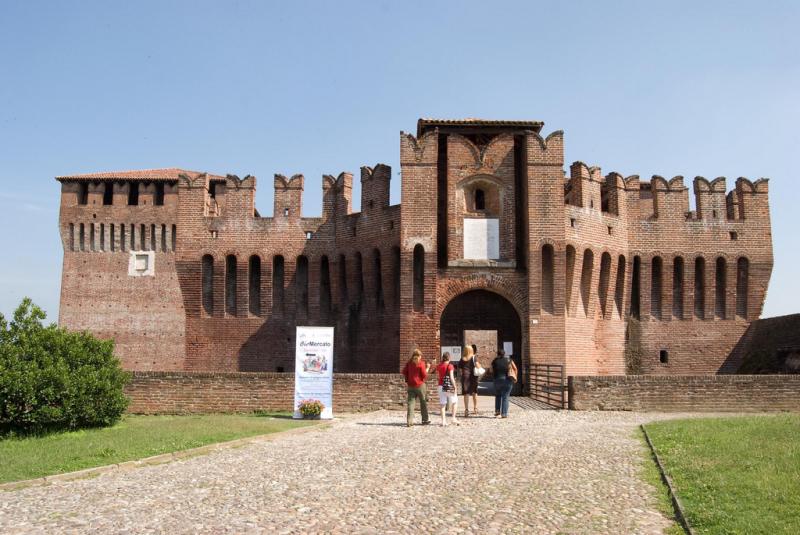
(447, 387)
(415, 371)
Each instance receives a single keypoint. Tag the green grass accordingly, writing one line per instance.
(736, 474)
(134, 437)
(651, 474)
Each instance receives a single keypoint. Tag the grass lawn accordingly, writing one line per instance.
(735, 474)
(134, 437)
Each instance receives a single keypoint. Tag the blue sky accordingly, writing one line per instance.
(678, 88)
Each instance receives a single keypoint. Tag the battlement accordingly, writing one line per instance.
(665, 199)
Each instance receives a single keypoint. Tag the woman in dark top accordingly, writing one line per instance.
(469, 380)
(502, 383)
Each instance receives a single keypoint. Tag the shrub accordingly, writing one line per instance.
(311, 408)
(52, 379)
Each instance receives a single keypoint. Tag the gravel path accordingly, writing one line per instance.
(570, 472)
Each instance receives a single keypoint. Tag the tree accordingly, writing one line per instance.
(52, 379)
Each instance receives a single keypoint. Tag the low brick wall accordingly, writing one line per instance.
(199, 392)
(705, 393)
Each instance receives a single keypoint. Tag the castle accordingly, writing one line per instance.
(492, 244)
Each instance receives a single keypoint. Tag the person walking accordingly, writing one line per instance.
(447, 387)
(415, 371)
(469, 379)
(504, 372)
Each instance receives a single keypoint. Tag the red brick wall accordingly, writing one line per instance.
(725, 393)
(593, 215)
(198, 392)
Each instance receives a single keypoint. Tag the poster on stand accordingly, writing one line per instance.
(313, 368)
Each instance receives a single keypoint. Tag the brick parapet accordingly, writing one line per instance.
(207, 392)
(691, 393)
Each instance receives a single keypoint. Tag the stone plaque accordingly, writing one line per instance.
(481, 239)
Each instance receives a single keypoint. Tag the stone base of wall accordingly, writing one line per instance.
(199, 392)
(705, 393)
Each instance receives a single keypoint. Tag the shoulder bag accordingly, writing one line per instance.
(478, 370)
(512, 371)
(447, 384)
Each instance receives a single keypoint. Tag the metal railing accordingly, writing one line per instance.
(547, 384)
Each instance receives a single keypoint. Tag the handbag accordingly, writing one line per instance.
(512, 371)
(478, 370)
(447, 384)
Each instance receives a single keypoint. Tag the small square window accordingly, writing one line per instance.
(734, 235)
(286, 212)
(663, 356)
(308, 235)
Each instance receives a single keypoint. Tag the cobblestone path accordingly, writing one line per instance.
(536, 472)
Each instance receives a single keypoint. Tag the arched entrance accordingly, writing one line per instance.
(484, 315)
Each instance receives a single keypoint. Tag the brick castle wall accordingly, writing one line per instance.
(724, 393)
(199, 392)
(605, 274)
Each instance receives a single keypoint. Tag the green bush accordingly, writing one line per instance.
(52, 379)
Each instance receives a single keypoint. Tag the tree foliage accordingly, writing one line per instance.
(52, 379)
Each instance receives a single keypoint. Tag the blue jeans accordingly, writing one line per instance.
(502, 389)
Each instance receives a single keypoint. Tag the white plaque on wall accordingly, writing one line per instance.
(481, 239)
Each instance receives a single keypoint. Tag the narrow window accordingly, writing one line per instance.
(419, 278)
(359, 279)
(586, 279)
(83, 193)
(547, 279)
(343, 279)
(656, 286)
(152, 237)
(325, 286)
(230, 285)
(158, 198)
(133, 193)
(677, 288)
(663, 356)
(480, 199)
(108, 193)
(133, 237)
(396, 276)
(569, 275)
(208, 284)
(636, 288)
(112, 238)
(174, 237)
(700, 287)
(102, 237)
(72, 236)
(163, 238)
(619, 287)
(309, 234)
(122, 243)
(254, 280)
(605, 276)
(92, 245)
(286, 212)
(742, 283)
(378, 279)
(721, 274)
(302, 285)
(81, 236)
(277, 283)
(142, 237)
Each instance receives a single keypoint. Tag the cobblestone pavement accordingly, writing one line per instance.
(536, 472)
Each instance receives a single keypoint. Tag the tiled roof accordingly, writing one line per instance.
(425, 124)
(170, 173)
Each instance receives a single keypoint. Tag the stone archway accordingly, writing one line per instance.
(483, 310)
